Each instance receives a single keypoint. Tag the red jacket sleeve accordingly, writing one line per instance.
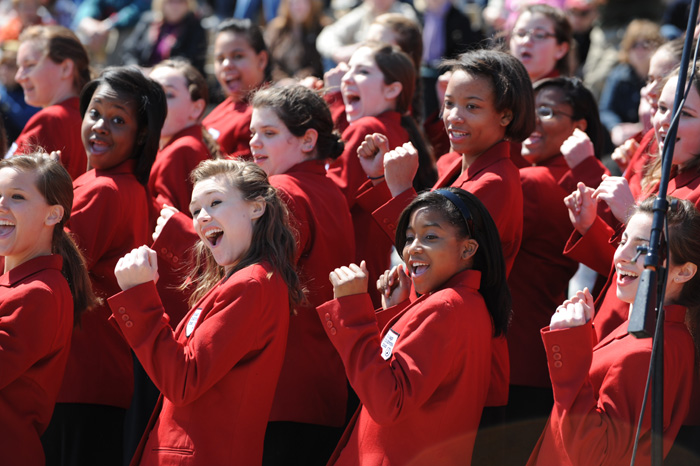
(183, 371)
(594, 248)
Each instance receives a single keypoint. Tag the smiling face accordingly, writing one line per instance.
(110, 128)
(636, 234)
(473, 125)
(237, 66)
(274, 148)
(433, 252)
(538, 56)
(41, 78)
(26, 220)
(660, 65)
(687, 146)
(182, 111)
(224, 220)
(363, 88)
(545, 142)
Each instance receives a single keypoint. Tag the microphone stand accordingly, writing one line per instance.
(650, 294)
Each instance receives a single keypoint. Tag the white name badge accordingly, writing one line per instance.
(388, 343)
(215, 133)
(192, 322)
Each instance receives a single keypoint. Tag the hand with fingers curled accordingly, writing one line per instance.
(623, 153)
(574, 312)
(334, 76)
(394, 285)
(137, 267)
(165, 213)
(371, 154)
(615, 191)
(577, 148)
(349, 280)
(582, 208)
(312, 82)
(400, 167)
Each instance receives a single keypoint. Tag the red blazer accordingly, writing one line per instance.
(635, 170)
(423, 394)
(496, 182)
(36, 319)
(312, 387)
(217, 372)
(598, 392)
(541, 273)
(370, 244)
(109, 219)
(169, 182)
(56, 127)
(229, 124)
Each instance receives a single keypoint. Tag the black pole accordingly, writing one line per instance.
(644, 307)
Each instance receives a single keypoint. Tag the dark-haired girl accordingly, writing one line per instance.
(241, 65)
(599, 388)
(567, 128)
(53, 67)
(218, 370)
(421, 369)
(123, 112)
(292, 138)
(488, 103)
(44, 289)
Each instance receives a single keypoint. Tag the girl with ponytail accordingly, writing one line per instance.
(44, 290)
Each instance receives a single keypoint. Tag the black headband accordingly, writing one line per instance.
(461, 206)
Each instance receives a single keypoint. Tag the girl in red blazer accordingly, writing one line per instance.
(421, 369)
(53, 67)
(377, 91)
(592, 233)
(44, 289)
(292, 138)
(599, 388)
(218, 370)
(489, 102)
(565, 109)
(184, 143)
(123, 114)
(242, 65)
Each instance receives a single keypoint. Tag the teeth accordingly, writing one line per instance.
(213, 232)
(6, 223)
(627, 274)
(458, 133)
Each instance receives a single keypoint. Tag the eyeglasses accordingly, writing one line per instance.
(537, 35)
(547, 113)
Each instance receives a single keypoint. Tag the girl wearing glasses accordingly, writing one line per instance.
(541, 40)
(421, 405)
(567, 123)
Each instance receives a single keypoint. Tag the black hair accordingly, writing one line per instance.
(512, 88)
(489, 256)
(583, 106)
(301, 109)
(254, 36)
(151, 110)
